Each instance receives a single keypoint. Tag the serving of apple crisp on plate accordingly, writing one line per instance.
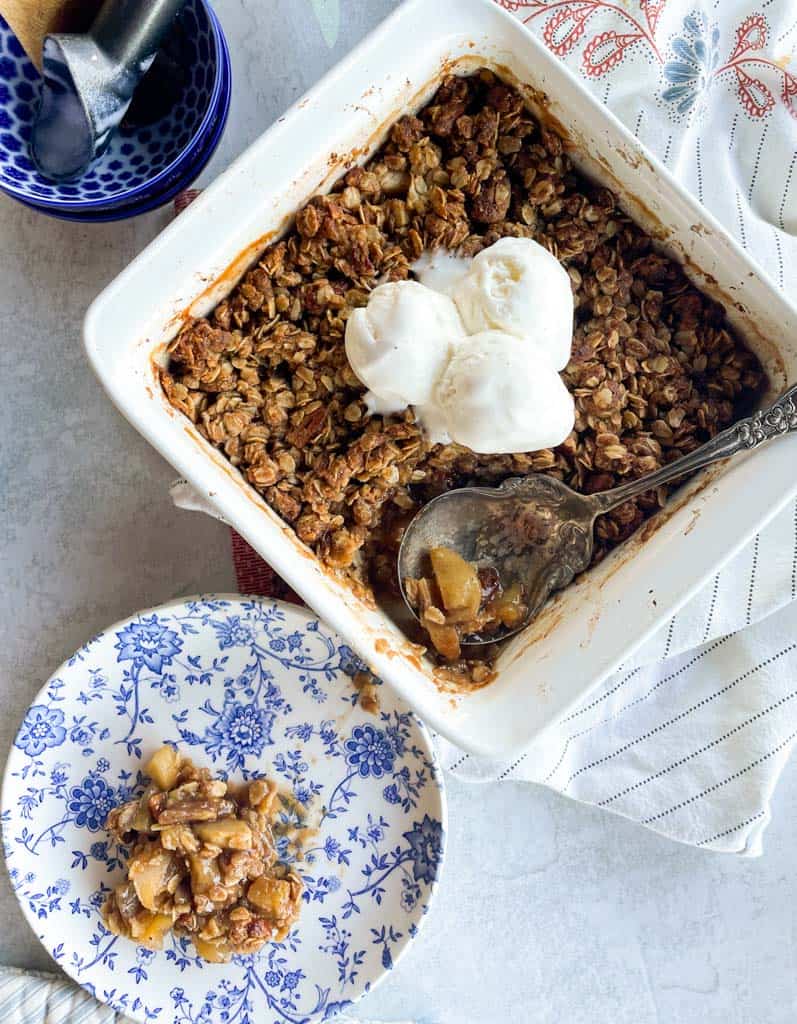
(205, 826)
(203, 863)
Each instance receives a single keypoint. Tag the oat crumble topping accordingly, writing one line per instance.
(655, 368)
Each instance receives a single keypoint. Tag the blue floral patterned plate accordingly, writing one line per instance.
(244, 687)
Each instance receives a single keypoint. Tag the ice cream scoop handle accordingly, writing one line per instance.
(779, 418)
(130, 32)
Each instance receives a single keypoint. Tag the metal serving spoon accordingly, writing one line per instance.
(538, 531)
(89, 81)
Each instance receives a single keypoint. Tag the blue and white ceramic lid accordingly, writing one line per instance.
(244, 687)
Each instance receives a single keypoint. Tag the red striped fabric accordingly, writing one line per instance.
(254, 576)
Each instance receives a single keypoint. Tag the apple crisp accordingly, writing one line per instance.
(655, 368)
(459, 599)
(203, 863)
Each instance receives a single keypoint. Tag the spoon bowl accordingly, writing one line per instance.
(534, 530)
(538, 532)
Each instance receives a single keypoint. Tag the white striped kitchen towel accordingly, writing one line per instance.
(30, 997)
(690, 737)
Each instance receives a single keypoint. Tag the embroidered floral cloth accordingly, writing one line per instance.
(690, 738)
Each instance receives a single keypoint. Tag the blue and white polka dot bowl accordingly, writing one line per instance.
(143, 165)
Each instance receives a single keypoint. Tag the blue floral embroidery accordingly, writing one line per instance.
(696, 57)
(415, 863)
(386, 937)
(391, 794)
(301, 732)
(331, 848)
(97, 683)
(292, 642)
(170, 691)
(41, 901)
(97, 900)
(408, 899)
(79, 735)
(148, 643)
(370, 752)
(43, 727)
(349, 662)
(241, 730)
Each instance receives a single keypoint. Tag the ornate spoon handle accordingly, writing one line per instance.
(780, 418)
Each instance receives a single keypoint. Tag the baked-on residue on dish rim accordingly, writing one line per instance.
(589, 629)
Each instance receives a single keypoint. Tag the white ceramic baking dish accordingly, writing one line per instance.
(591, 627)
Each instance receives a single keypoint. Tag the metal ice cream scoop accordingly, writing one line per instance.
(538, 531)
(89, 81)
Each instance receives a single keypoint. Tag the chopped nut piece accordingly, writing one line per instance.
(434, 615)
(261, 794)
(178, 837)
(199, 809)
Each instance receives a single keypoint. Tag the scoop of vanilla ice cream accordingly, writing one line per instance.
(400, 343)
(440, 269)
(500, 394)
(517, 286)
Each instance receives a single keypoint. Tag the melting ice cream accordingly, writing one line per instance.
(474, 348)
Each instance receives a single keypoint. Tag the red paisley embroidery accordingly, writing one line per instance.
(564, 29)
(653, 10)
(752, 34)
(606, 51)
(756, 98)
(564, 25)
(789, 93)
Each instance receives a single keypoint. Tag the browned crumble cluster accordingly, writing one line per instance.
(203, 863)
(655, 369)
